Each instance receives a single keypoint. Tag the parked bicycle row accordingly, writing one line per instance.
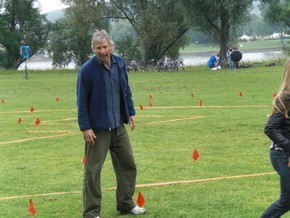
(165, 65)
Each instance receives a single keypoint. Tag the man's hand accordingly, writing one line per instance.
(89, 136)
(132, 122)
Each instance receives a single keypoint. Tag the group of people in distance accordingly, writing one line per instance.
(234, 55)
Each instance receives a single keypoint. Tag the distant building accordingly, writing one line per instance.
(245, 38)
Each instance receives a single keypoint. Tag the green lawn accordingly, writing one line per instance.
(232, 178)
(244, 46)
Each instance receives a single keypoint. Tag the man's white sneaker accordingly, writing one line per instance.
(138, 210)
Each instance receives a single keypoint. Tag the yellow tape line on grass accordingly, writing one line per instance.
(27, 111)
(35, 138)
(145, 185)
(155, 107)
(175, 120)
(214, 106)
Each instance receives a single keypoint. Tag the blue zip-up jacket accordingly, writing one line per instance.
(91, 95)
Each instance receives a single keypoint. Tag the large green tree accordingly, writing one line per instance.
(71, 38)
(126, 40)
(20, 24)
(160, 25)
(219, 19)
(257, 27)
(277, 12)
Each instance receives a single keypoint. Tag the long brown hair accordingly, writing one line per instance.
(279, 103)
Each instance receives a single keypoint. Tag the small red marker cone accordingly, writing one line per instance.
(241, 94)
(192, 95)
(37, 122)
(275, 95)
(57, 99)
(32, 209)
(150, 104)
(150, 96)
(140, 199)
(32, 109)
(141, 107)
(200, 102)
(19, 120)
(195, 154)
(84, 160)
(3, 101)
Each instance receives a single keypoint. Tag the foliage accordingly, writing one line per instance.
(199, 37)
(160, 25)
(20, 24)
(71, 37)
(218, 19)
(256, 26)
(277, 11)
(286, 48)
(126, 40)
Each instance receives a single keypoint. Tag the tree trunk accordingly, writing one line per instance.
(224, 37)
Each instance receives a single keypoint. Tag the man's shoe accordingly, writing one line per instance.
(138, 210)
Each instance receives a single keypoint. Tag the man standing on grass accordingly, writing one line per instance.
(104, 101)
(236, 55)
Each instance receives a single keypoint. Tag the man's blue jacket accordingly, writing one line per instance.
(91, 95)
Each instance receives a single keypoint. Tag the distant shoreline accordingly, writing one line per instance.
(244, 51)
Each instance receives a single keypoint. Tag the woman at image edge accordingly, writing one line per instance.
(277, 129)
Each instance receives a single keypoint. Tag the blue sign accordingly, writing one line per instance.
(24, 51)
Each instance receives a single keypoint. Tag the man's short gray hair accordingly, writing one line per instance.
(99, 35)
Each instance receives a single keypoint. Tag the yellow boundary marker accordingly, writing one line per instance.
(157, 107)
(175, 120)
(51, 131)
(50, 122)
(145, 185)
(27, 111)
(217, 106)
(35, 138)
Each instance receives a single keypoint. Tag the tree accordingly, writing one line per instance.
(160, 25)
(219, 19)
(126, 40)
(71, 37)
(277, 12)
(20, 24)
(256, 27)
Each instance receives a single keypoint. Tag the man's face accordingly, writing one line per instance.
(103, 50)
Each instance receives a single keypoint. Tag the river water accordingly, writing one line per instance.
(201, 59)
(41, 62)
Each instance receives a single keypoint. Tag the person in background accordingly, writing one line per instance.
(105, 105)
(230, 62)
(212, 61)
(236, 56)
(277, 129)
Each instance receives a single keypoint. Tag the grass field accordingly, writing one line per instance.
(244, 46)
(232, 178)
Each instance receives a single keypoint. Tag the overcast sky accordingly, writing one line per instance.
(51, 5)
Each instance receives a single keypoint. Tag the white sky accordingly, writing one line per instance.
(50, 5)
